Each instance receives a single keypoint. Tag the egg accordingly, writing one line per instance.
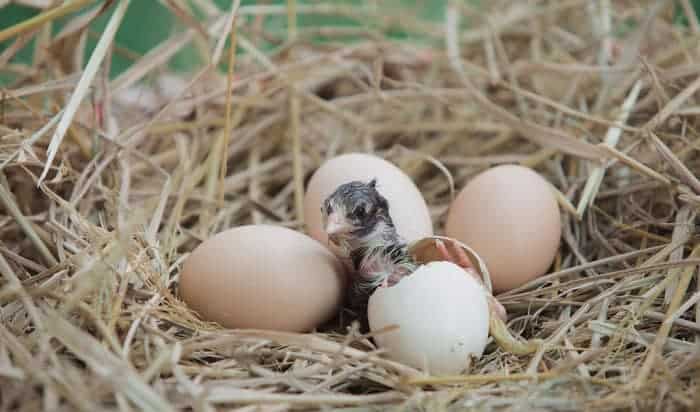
(263, 277)
(510, 217)
(407, 206)
(442, 316)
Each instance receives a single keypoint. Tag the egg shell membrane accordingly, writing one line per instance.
(425, 251)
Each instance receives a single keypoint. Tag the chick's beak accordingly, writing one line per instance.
(336, 225)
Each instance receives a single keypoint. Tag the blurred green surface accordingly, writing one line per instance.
(147, 23)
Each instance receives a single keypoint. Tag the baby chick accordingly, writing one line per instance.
(358, 222)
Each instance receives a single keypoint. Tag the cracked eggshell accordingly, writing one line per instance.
(407, 206)
(263, 277)
(442, 316)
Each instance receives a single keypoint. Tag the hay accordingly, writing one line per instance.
(599, 97)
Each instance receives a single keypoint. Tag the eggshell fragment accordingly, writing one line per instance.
(425, 250)
(263, 277)
(442, 316)
(510, 217)
(407, 206)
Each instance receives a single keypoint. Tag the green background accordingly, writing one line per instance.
(147, 23)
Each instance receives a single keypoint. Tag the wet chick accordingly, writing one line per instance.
(357, 221)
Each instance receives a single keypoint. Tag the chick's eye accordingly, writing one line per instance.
(359, 212)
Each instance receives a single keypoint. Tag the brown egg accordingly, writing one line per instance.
(263, 277)
(407, 206)
(510, 217)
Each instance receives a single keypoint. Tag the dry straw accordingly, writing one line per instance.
(107, 185)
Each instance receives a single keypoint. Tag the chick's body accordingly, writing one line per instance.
(357, 220)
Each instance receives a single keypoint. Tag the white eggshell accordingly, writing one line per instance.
(407, 206)
(442, 317)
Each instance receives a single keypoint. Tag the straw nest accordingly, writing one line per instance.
(108, 184)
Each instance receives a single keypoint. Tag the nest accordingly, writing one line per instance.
(108, 184)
